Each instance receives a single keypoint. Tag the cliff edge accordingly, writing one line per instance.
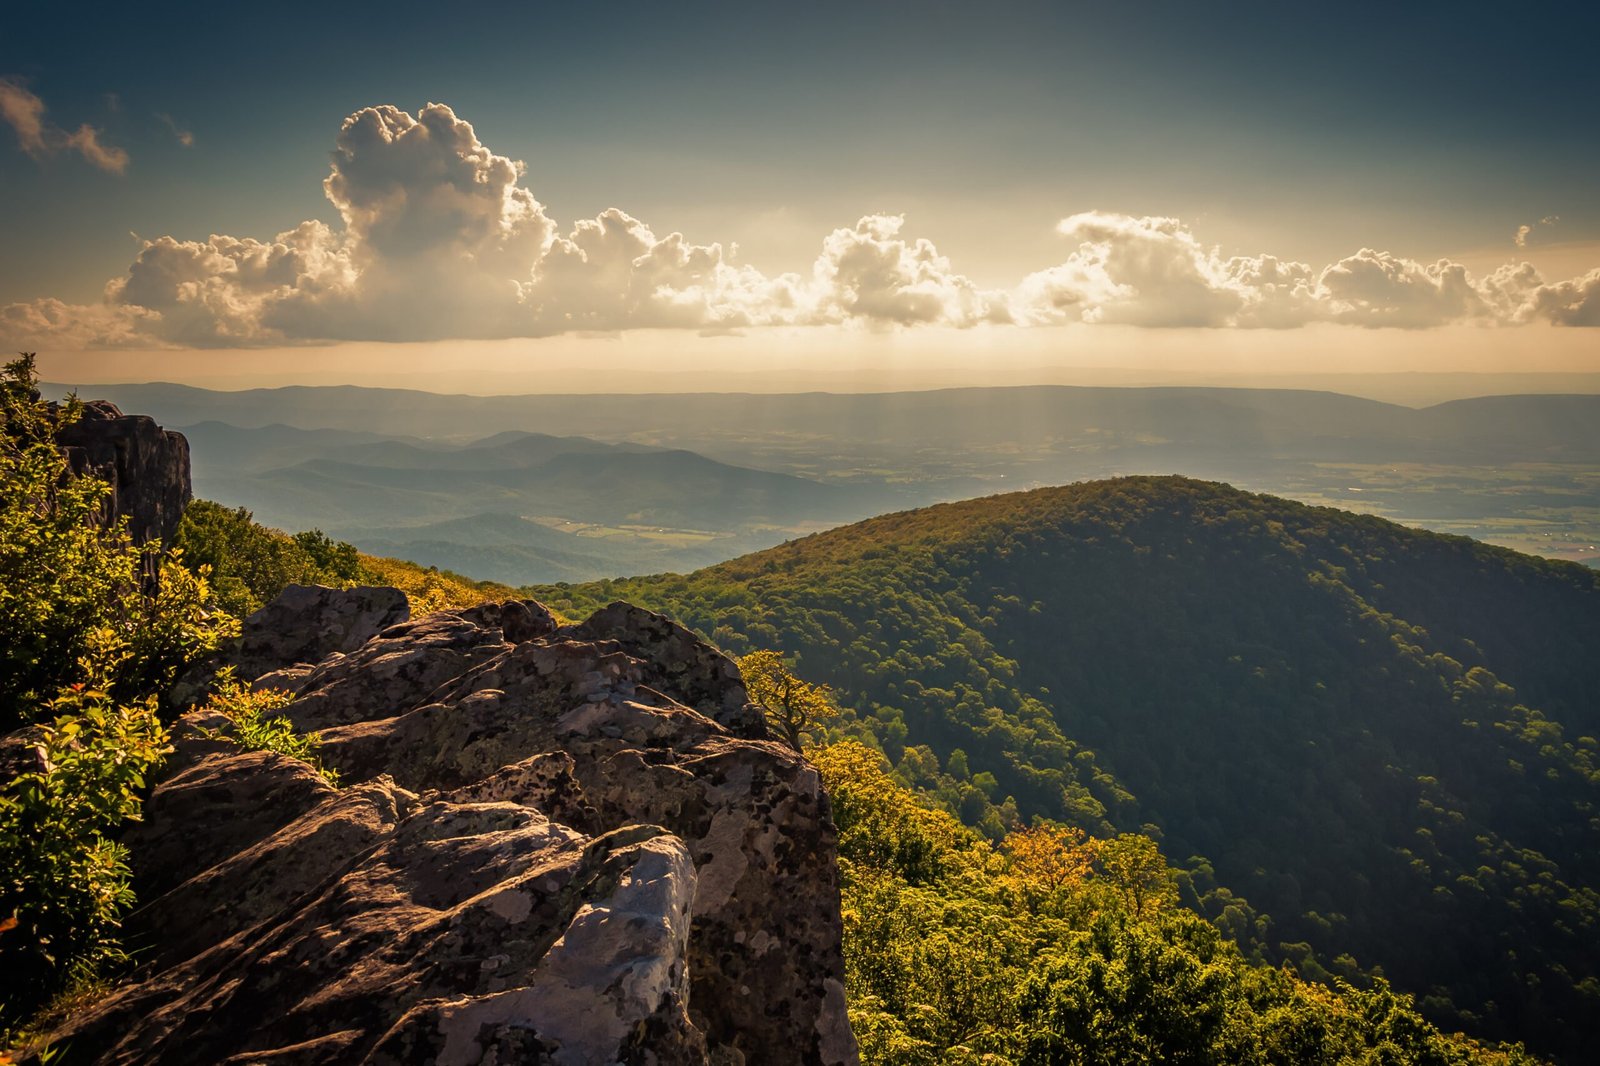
(552, 844)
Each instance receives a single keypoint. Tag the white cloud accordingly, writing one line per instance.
(1575, 302)
(439, 238)
(1154, 272)
(1136, 271)
(873, 274)
(39, 138)
(612, 272)
(1374, 288)
(50, 323)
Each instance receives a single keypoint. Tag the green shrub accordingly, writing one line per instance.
(252, 728)
(86, 649)
(62, 881)
(251, 563)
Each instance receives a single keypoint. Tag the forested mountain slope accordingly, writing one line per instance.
(1383, 739)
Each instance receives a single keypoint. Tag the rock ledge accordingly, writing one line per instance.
(564, 845)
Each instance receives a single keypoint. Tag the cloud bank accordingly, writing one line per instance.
(440, 238)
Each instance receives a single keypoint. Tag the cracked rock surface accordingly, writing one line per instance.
(565, 845)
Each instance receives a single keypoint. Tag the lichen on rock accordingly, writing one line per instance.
(556, 845)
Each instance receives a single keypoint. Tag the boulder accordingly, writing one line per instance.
(553, 845)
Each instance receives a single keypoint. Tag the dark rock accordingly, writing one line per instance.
(679, 662)
(146, 466)
(550, 850)
(302, 626)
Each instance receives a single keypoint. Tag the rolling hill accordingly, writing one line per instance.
(1379, 742)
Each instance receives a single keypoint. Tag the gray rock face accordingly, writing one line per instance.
(146, 466)
(305, 624)
(549, 850)
(278, 645)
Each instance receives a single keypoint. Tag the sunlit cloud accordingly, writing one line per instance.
(24, 112)
(440, 238)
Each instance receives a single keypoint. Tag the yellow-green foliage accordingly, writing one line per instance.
(253, 728)
(793, 707)
(71, 598)
(85, 647)
(431, 589)
(62, 880)
(1057, 948)
(251, 563)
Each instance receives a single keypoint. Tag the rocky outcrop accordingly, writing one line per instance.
(279, 644)
(146, 466)
(564, 845)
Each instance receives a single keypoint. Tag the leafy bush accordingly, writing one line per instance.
(252, 728)
(85, 649)
(71, 596)
(251, 563)
(62, 881)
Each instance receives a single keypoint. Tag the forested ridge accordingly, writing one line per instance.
(1377, 744)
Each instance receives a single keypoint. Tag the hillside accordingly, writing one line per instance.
(1381, 738)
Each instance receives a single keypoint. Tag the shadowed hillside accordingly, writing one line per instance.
(1382, 738)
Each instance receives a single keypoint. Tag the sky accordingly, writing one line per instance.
(611, 196)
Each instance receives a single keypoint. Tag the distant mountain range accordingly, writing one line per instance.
(1380, 742)
(514, 506)
(1319, 425)
(673, 481)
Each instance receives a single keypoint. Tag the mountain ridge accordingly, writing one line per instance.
(1370, 733)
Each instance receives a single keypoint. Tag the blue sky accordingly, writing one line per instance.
(1425, 131)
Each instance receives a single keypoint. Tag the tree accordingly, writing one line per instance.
(1054, 856)
(792, 706)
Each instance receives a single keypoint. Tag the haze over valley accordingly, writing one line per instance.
(523, 489)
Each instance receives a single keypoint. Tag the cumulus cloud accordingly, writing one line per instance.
(1373, 288)
(24, 112)
(1136, 271)
(438, 237)
(613, 271)
(1155, 272)
(871, 273)
(1575, 302)
(441, 238)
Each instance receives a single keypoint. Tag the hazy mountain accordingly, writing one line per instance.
(1381, 738)
(1322, 425)
(622, 507)
(1521, 471)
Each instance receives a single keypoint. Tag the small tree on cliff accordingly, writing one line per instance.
(792, 706)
